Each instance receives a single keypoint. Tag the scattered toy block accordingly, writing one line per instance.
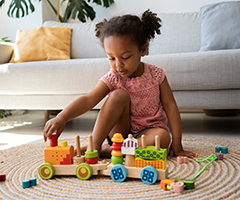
(188, 184)
(182, 159)
(221, 150)
(2, 176)
(29, 182)
(219, 155)
(158, 164)
(165, 182)
(178, 187)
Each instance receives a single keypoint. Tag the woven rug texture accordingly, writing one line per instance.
(220, 180)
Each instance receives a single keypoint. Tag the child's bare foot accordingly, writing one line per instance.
(105, 151)
(83, 149)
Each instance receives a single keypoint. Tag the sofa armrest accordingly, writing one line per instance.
(6, 50)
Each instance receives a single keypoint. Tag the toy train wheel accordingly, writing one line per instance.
(118, 173)
(83, 171)
(46, 171)
(149, 175)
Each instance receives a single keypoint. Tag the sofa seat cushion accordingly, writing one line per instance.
(212, 70)
(65, 77)
(180, 32)
(84, 43)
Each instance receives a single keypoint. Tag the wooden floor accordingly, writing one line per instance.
(21, 129)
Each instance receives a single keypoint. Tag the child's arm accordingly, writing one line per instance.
(174, 120)
(76, 108)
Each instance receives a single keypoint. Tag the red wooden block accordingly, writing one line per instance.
(92, 160)
(116, 146)
(53, 140)
(2, 176)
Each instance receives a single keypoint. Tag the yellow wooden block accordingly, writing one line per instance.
(59, 155)
(158, 164)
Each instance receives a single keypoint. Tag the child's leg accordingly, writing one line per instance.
(150, 137)
(114, 117)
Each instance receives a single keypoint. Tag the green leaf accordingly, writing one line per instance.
(20, 7)
(79, 9)
(2, 2)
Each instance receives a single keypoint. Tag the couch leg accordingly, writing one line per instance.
(46, 114)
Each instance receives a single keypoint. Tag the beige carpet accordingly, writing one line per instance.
(220, 180)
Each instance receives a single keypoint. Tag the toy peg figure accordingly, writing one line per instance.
(78, 159)
(128, 148)
(143, 141)
(157, 142)
(91, 155)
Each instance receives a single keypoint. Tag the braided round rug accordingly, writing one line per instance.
(220, 180)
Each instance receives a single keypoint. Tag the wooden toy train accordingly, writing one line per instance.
(145, 162)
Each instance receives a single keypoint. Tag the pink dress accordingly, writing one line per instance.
(146, 107)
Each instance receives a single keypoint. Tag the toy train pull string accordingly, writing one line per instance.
(176, 186)
(212, 157)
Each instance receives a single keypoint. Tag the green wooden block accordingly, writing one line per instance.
(150, 153)
(188, 184)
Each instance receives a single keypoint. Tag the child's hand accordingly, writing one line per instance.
(177, 150)
(56, 124)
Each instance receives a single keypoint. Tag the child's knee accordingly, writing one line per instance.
(120, 95)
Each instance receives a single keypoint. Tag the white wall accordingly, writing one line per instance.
(9, 25)
(139, 6)
(43, 12)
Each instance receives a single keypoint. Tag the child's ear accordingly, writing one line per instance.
(144, 49)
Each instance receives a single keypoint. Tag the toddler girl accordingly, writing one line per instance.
(139, 100)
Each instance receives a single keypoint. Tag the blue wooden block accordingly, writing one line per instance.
(221, 150)
(29, 182)
(26, 183)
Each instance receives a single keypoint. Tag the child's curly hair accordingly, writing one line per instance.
(141, 30)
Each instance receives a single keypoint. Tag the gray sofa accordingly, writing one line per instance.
(199, 80)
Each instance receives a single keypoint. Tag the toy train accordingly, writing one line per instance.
(147, 163)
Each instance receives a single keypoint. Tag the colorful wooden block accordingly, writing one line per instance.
(151, 153)
(165, 182)
(29, 182)
(178, 187)
(59, 155)
(2, 176)
(158, 164)
(117, 160)
(219, 155)
(188, 184)
(182, 159)
(129, 145)
(221, 150)
(53, 140)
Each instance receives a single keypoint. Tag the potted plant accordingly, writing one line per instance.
(75, 8)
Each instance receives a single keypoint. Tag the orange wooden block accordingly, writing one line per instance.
(165, 182)
(59, 155)
(158, 164)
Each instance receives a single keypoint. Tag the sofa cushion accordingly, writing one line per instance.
(196, 71)
(58, 77)
(43, 43)
(220, 26)
(84, 43)
(180, 32)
